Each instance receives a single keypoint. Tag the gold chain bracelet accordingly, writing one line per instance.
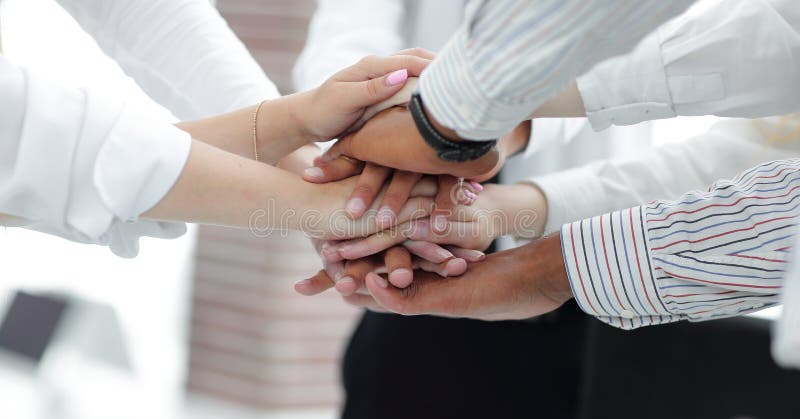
(255, 130)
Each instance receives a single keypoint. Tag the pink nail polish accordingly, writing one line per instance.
(477, 186)
(397, 77)
(470, 195)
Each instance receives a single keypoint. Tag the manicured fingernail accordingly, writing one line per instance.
(476, 255)
(346, 286)
(397, 77)
(355, 206)
(401, 277)
(385, 216)
(313, 173)
(302, 282)
(477, 186)
(470, 195)
(444, 254)
(381, 281)
(440, 223)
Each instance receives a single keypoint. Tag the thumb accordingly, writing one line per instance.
(374, 91)
(340, 147)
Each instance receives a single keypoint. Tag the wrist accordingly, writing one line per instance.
(280, 129)
(544, 262)
(523, 209)
(444, 131)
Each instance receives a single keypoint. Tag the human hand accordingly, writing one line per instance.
(322, 215)
(514, 284)
(398, 262)
(329, 110)
(519, 210)
(391, 139)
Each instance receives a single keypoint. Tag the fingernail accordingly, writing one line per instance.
(385, 216)
(440, 223)
(477, 186)
(444, 254)
(302, 282)
(313, 173)
(343, 251)
(327, 158)
(475, 255)
(329, 252)
(470, 195)
(381, 281)
(401, 277)
(397, 77)
(346, 286)
(355, 206)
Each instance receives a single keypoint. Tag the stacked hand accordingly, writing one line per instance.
(420, 251)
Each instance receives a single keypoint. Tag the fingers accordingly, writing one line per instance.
(398, 264)
(373, 67)
(417, 52)
(337, 169)
(469, 255)
(354, 274)
(378, 242)
(444, 203)
(449, 268)
(466, 235)
(431, 252)
(396, 195)
(369, 184)
(426, 295)
(314, 285)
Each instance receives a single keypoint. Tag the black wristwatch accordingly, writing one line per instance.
(448, 150)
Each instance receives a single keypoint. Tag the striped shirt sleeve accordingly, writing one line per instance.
(512, 55)
(707, 255)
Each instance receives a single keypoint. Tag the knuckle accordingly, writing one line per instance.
(363, 189)
(367, 60)
(372, 88)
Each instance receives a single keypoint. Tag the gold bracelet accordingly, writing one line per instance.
(255, 129)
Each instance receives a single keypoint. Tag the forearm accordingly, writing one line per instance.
(670, 170)
(278, 131)
(703, 256)
(217, 187)
(507, 61)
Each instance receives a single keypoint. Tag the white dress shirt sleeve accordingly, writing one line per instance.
(186, 58)
(181, 52)
(512, 55)
(728, 58)
(76, 163)
(342, 32)
(729, 147)
(703, 256)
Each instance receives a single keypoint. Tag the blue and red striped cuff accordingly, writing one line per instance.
(610, 270)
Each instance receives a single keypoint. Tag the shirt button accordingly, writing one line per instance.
(626, 314)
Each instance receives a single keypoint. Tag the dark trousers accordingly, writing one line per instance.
(430, 367)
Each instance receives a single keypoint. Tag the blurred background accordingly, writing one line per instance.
(204, 326)
(200, 327)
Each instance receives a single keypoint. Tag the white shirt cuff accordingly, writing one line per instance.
(571, 195)
(628, 89)
(455, 99)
